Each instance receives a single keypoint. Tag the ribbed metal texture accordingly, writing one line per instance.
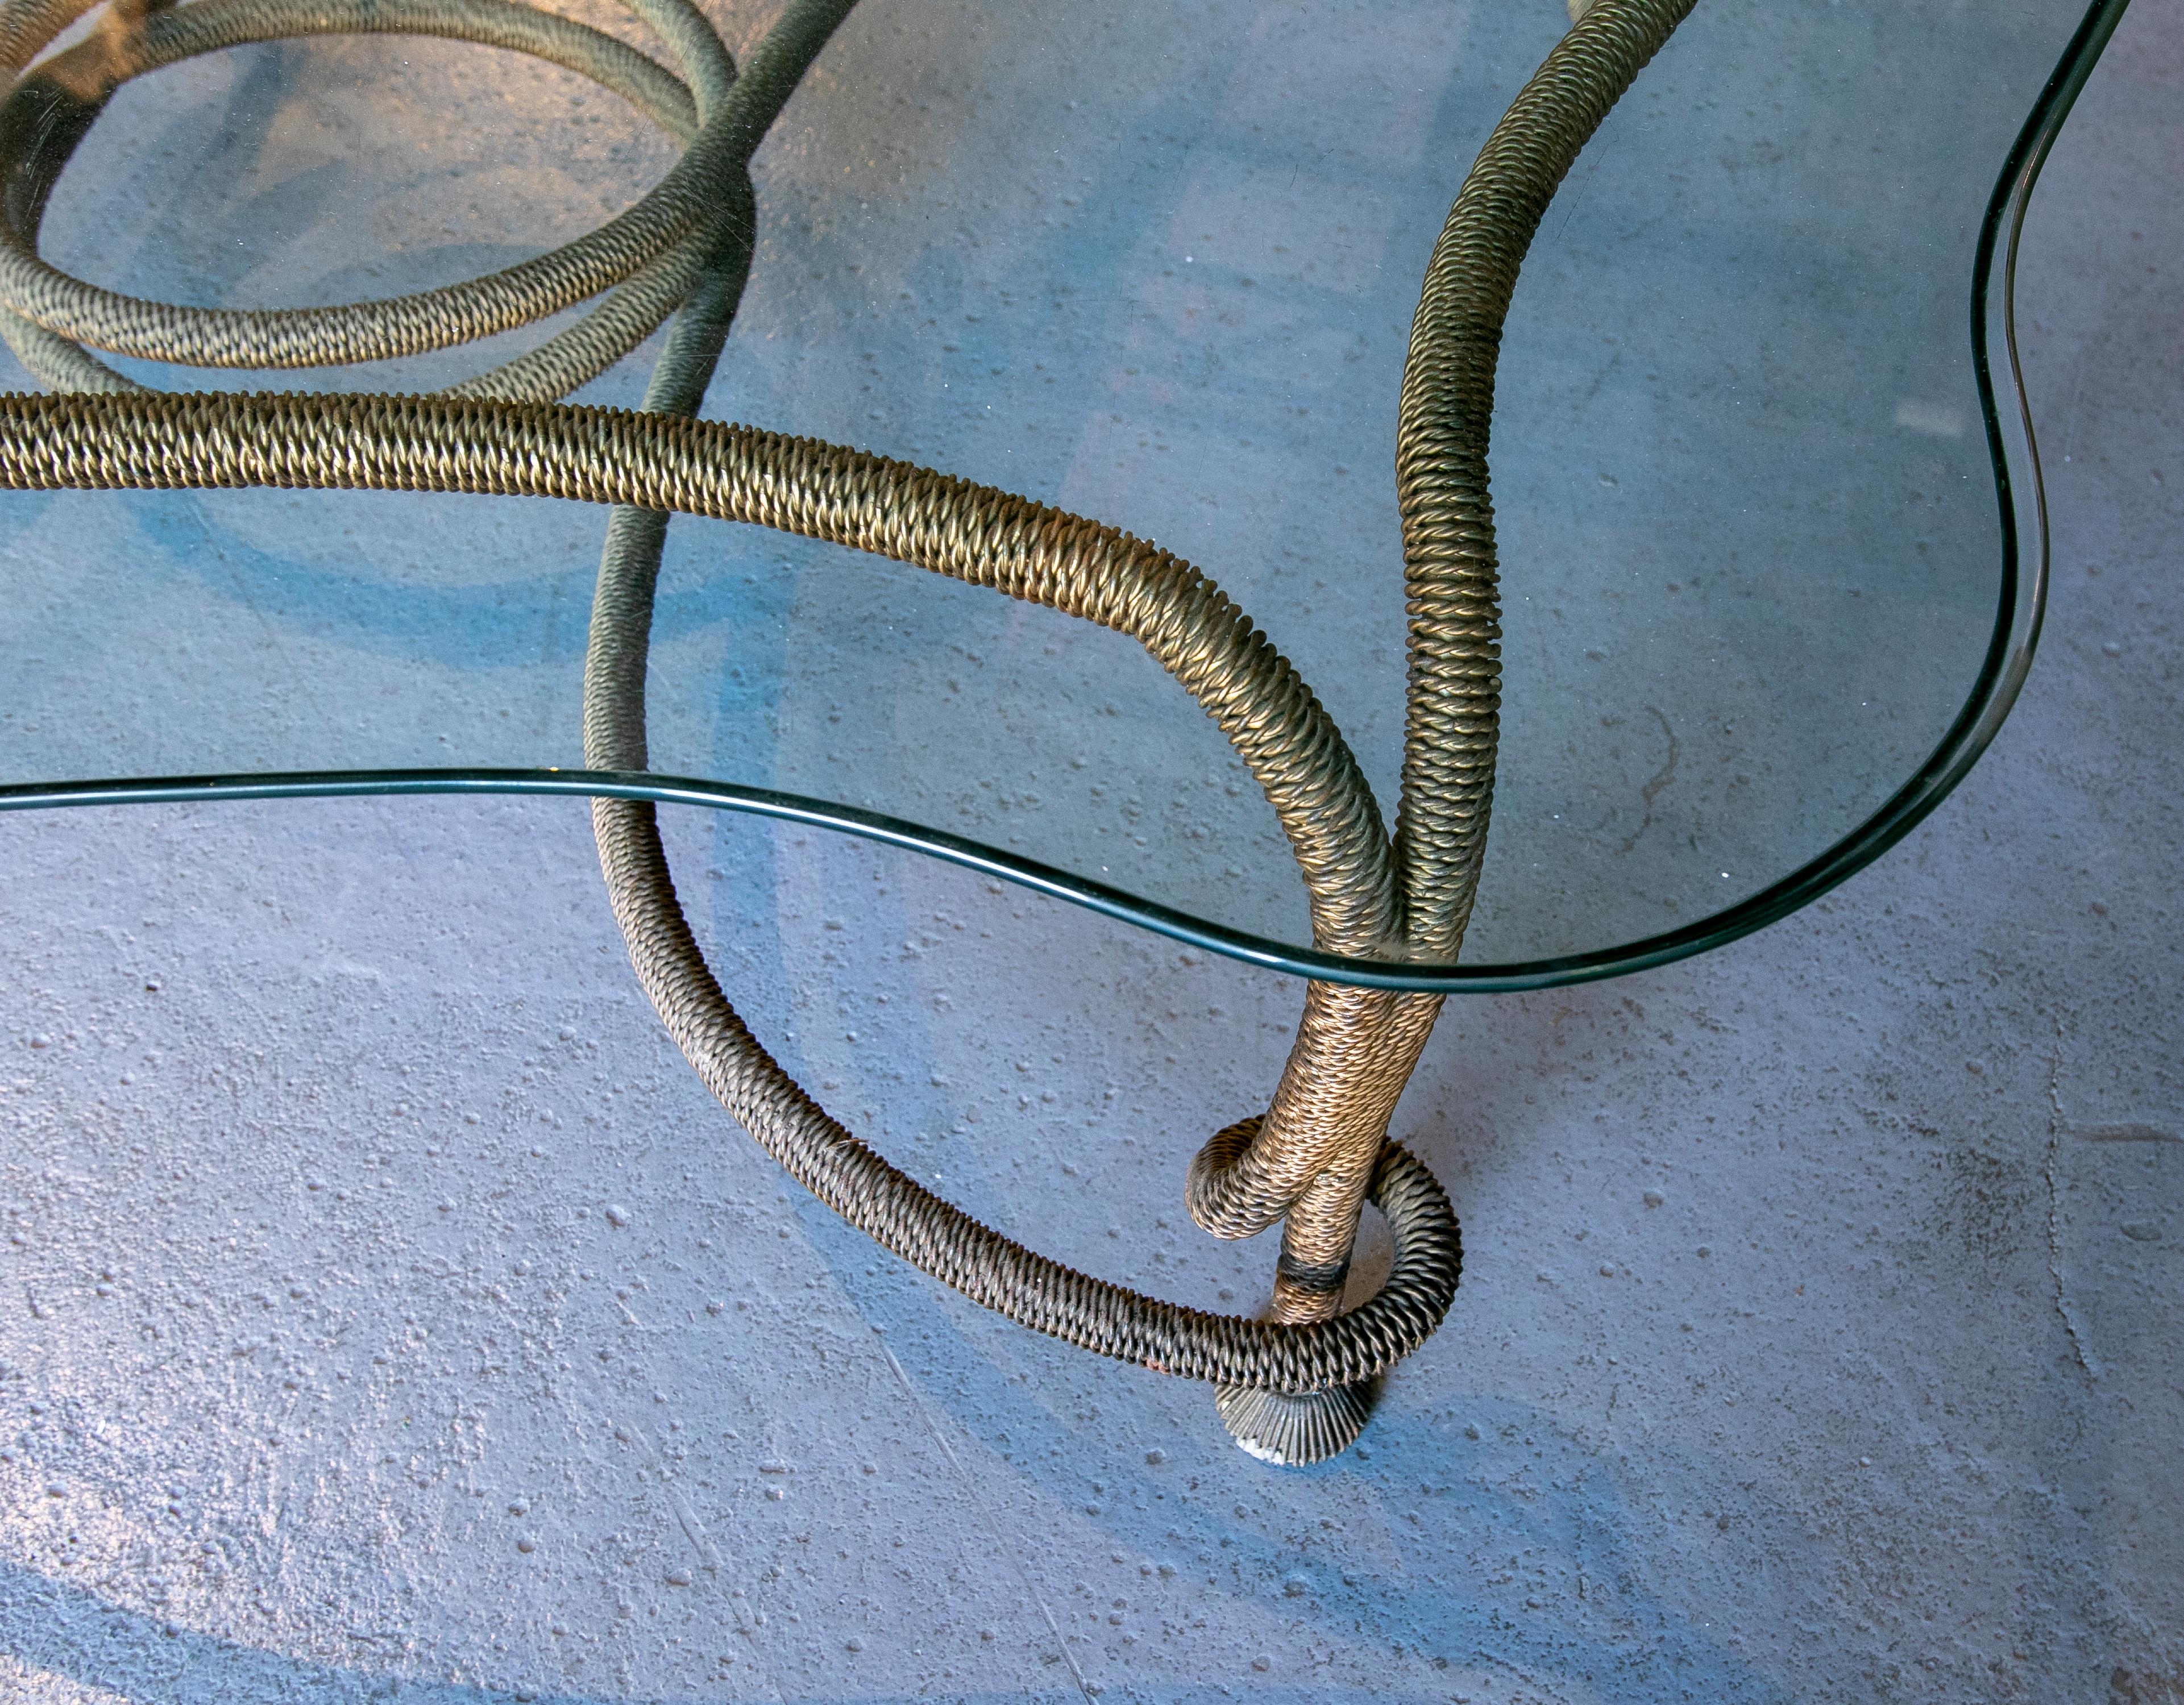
(1294, 1387)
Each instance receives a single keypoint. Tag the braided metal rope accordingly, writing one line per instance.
(1321, 1149)
(1442, 426)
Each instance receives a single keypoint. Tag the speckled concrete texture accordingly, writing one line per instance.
(386, 1313)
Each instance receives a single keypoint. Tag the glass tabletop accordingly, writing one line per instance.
(1769, 536)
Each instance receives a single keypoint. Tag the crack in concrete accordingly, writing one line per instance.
(694, 1529)
(985, 1517)
(686, 1518)
(2055, 1210)
(1662, 777)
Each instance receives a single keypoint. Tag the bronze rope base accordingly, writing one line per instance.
(1293, 1388)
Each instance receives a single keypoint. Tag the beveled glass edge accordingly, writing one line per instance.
(2021, 607)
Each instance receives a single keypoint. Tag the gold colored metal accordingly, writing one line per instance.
(1293, 1388)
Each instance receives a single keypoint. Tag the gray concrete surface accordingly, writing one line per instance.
(385, 1312)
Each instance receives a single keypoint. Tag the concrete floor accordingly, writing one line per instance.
(387, 1314)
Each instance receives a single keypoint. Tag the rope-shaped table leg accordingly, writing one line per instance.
(655, 462)
(1355, 1048)
(1291, 1386)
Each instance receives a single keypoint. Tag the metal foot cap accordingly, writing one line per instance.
(1293, 1429)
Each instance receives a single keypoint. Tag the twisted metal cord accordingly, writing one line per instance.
(49, 111)
(886, 508)
(1355, 1048)
(1442, 427)
(683, 201)
(650, 463)
(1321, 1149)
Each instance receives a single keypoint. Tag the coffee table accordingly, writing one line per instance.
(1761, 608)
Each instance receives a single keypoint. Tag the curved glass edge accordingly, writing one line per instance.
(2021, 604)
